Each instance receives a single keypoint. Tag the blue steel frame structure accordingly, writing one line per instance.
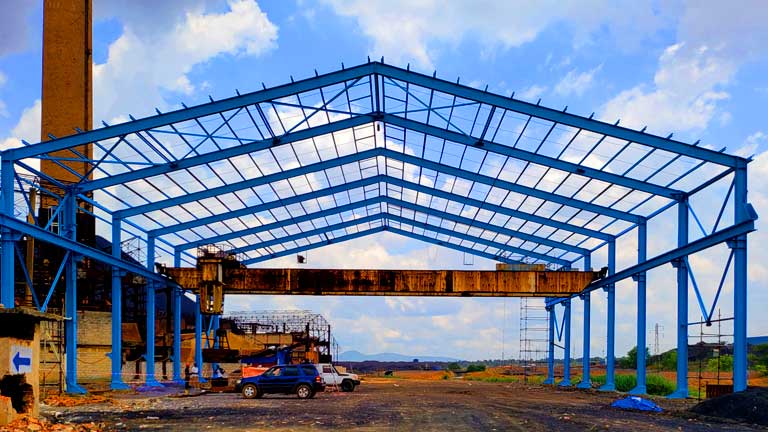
(377, 148)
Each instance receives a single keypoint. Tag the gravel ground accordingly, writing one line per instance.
(399, 404)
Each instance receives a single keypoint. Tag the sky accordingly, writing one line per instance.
(693, 68)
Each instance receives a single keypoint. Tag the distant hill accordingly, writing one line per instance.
(356, 356)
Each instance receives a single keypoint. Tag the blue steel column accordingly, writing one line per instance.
(642, 237)
(6, 258)
(567, 346)
(177, 294)
(610, 355)
(682, 303)
(551, 358)
(117, 319)
(585, 381)
(149, 357)
(740, 283)
(70, 296)
(199, 339)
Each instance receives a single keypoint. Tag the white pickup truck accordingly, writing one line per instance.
(346, 381)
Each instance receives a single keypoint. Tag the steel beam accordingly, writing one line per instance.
(336, 240)
(226, 153)
(690, 248)
(514, 187)
(199, 339)
(365, 282)
(642, 248)
(556, 116)
(249, 183)
(527, 156)
(190, 113)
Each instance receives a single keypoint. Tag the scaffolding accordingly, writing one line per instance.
(712, 344)
(307, 326)
(533, 337)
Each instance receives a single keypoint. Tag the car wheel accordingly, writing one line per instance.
(304, 391)
(250, 391)
(347, 386)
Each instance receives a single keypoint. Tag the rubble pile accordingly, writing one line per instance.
(30, 424)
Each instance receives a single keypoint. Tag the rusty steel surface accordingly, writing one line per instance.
(394, 282)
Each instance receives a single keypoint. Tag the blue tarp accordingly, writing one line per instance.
(636, 403)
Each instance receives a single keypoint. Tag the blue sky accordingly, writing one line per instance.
(695, 69)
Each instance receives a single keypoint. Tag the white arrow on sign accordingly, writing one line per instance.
(21, 359)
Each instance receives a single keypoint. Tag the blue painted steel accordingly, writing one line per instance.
(741, 213)
(311, 246)
(199, 339)
(498, 209)
(670, 256)
(229, 152)
(7, 273)
(70, 298)
(271, 205)
(567, 345)
(177, 294)
(27, 279)
(681, 391)
(56, 280)
(214, 329)
(253, 182)
(557, 116)
(69, 244)
(149, 358)
(720, 287)
(503, 184)
(642, 249)
(188, 113)
(278, 225)
(551, 346)
(524, 155)
(699, 298)
(610, 354)
(117, 312)
(585, 356)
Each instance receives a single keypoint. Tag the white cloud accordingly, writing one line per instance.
(28, 128)
(576, 83)
(3, 108)
(531, 93)
(405, 30)
(141, 66)
(714, 40)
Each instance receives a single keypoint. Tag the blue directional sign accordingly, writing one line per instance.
(21, 359)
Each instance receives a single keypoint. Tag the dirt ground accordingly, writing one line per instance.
(390, 404)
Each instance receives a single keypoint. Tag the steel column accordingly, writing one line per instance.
(70, 296)
(567, 346)
(117, 313)
(149, 357)
(585, 381)
(741, 214)
(551, 358)
(7, 275)
(642, 249)
(682, 303)
(610, 354)
(177, 294)
(199, 339)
